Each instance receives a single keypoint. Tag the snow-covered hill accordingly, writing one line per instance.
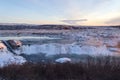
(7, 58)
(94, 42)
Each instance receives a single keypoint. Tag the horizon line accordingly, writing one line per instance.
(52, 24)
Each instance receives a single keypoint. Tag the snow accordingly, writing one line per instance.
(26, 37)
(56, 48)
(7, 58)
(93, 42)
(63, 60)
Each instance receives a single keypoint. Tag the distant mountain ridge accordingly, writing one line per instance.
(14, 26)
(27, 26)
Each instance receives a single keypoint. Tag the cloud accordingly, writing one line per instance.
(73, 21)
(114, 21)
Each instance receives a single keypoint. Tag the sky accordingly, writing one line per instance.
(71, 12)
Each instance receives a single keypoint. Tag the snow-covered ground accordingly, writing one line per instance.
(63, 60)
(95, 42)
(55, 48)
(26, 37)
(7, 58)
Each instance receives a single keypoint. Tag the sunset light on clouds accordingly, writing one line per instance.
(73, 12)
